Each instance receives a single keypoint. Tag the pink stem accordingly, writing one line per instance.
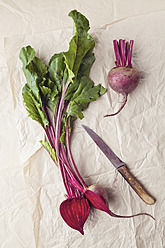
(63, 174)
(126, 51)
(117, 53)
(130, 52)
(122, 51)
(72, 174)
(55, 118)
(63, 154)
(48, 136)
(52, 134)
(59, 118)
(66, 177)
(72, 179)
(71, 157)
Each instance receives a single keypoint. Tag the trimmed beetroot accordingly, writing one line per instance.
(75, 212)
(123, 78)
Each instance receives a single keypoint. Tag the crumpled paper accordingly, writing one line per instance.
(136, 135)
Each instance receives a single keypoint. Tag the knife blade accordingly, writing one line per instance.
(121, 167)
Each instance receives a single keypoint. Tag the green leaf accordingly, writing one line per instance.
(33, 107)
(56, 69)
(85, 93)
(34, 92)
(49, 92)
(50, 150)
(86, 63)
(84, 70)
(102, 91)
(32, 65)
(45, 90)
(27, 55)
(79, 45)
(38, 67)
(34, 70)
(82, 91)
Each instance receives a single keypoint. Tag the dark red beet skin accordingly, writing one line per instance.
(123, 79)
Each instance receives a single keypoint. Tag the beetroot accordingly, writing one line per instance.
(74, 212)
(123, 78)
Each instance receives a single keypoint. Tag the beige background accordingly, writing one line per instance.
(30, 186)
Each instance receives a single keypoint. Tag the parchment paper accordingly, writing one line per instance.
(136, 135)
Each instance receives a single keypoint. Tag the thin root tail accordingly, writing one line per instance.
(129, 216)
(122, 106)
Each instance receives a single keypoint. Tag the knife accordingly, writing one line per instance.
(121, 167)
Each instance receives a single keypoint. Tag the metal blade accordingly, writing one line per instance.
(104, 148)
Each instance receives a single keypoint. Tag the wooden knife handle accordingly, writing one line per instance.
(137, 187)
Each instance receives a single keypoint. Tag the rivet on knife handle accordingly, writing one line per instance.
(138, 188)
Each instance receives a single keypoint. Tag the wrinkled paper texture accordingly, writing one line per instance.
(136, 135)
